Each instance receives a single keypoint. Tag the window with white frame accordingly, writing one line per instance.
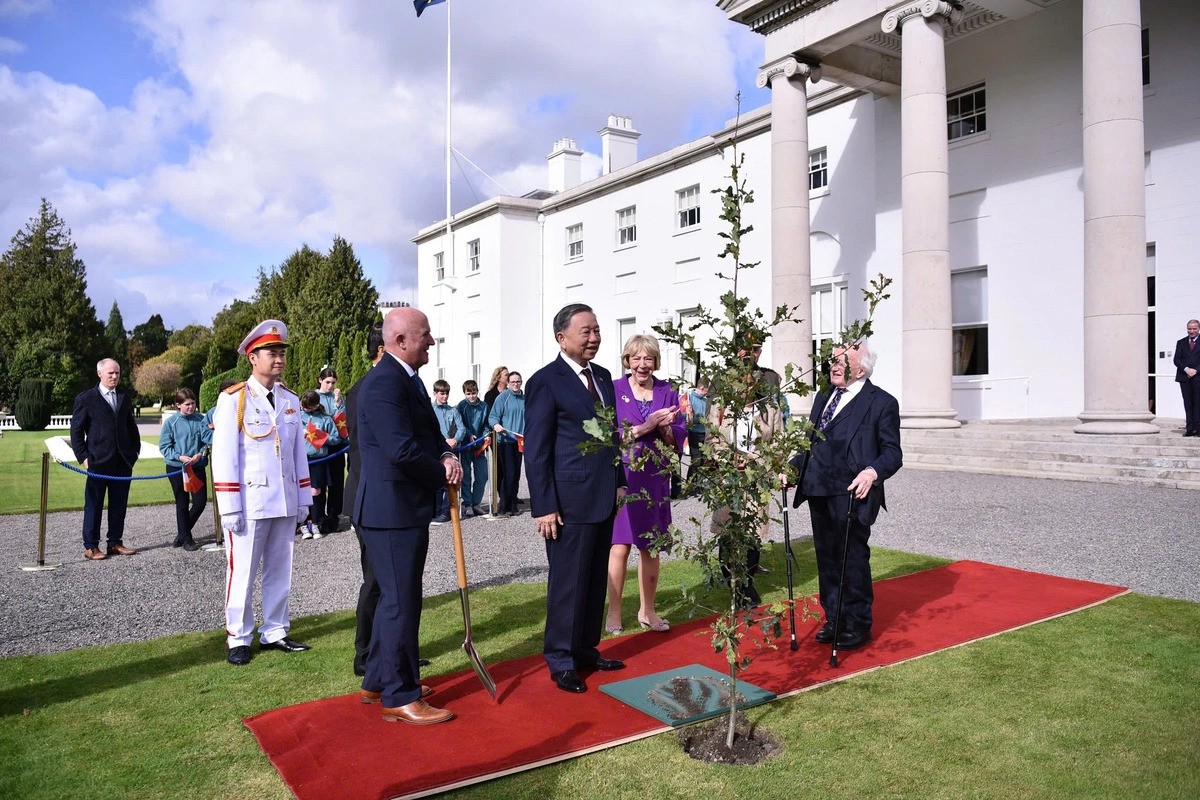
(1145, 56)
(687, 207)
(438, 346)
(818, 169)
(627, 226)
(575, 242)
(473, 355)
(687, 367)
(473, 255)
(828, 317)
(439, 266)
(969, 315)
(625, 329)
(966, 112)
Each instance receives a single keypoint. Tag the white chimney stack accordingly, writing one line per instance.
(565, 164)
(618, 141)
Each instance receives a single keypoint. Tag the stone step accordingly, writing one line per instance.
(1048, 468)
(1047, 434)
(1175, 457)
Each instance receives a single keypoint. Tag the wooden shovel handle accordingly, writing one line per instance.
(460, 558)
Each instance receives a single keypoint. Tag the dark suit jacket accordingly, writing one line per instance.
(866, 433)
(583, 488)
(1186, 357)
(400, 447)
(101, 435)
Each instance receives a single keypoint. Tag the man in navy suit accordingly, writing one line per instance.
(105, 439)
(1187, 363)
(860, 450)
(572, 495)
(404, 462)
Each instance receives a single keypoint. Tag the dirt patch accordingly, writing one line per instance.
(706, 742)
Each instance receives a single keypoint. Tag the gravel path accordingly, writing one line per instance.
(1146, 539)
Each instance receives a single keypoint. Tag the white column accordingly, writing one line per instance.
(1115, 397)
(791, 267)
(926, 401)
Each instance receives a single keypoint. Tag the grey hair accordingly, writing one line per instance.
(563, 318)
(866, 358)
(100, 364)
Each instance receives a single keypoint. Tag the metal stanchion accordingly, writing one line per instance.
(219, 544)
(495, 470)
(41, 565)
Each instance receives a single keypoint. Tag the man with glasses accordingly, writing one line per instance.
(508, 421)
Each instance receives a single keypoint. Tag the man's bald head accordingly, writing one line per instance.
(406, 335)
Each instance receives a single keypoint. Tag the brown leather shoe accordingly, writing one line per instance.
(417, 712)
(121, 550)
(366, 696)
(94, 554)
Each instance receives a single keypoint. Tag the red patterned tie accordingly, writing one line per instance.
(591, 386)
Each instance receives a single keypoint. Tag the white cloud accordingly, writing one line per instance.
(298, 120)
(10, 47)
(24, 8)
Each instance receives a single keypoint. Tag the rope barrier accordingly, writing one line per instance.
(91, 474)
(469, 445)
(343, 451)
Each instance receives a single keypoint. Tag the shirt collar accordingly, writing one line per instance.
(411, 372)
(573, 364)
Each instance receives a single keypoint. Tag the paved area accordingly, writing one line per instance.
(1146, 539)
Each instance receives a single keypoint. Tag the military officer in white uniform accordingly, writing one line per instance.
(260, 476)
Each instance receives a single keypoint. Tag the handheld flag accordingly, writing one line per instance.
(339, 419)
(520, 442)
(487, 440)
(421, 5)
(316, 437)
(191, 484)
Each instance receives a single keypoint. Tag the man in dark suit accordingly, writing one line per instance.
(368, 593)
(573, 495)
(404, 460)
(1187, 363)
(859, 451)
(105, 439)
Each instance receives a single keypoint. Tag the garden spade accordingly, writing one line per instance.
(461, 561)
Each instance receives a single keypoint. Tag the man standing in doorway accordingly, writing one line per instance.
(105, 440)
(1187, 362)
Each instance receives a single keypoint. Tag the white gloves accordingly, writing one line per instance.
(234, 523)
(302, 514)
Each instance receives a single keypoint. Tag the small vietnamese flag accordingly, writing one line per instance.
(421, 5)
(520, 442)
(316, 437)
(487, 440)
(191, 484)
(339, 419)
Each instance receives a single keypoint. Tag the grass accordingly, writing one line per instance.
(1101, 703)
(21, 477)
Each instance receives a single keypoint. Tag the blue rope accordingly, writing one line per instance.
(343, 451)
(469, 445)
(90, 474)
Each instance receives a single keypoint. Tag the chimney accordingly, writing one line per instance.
(618, 141)
(565, 164)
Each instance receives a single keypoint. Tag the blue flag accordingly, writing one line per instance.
(421, 5)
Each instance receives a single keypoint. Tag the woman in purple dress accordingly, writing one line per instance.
(649, 408)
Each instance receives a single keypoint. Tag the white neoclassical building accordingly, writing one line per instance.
(1027, 171)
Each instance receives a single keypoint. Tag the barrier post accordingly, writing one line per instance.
(219, 543)
(41, 565)
(495, 470)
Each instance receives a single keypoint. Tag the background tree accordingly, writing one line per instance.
(152, 335)
(335, 296)
(118, 345)
(195, 340)
(229, 327)
(344, 363)
(46, 318)
(362, 359)
(157, 380)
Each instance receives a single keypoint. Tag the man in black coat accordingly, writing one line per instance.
(860, 450)
(404, 460)
(105, 439)
(1187, 363)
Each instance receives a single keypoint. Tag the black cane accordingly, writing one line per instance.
(837, 617)
(788, 557)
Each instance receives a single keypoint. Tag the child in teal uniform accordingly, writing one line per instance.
(474, 414)
(316, 421)
(334, 404)
(182, 441)
(452, 430)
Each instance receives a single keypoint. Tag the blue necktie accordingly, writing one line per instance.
(831, 408)
(420, 386)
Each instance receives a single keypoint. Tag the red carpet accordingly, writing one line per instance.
(339, 748)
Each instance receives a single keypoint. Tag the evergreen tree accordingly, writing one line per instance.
(229, 327)
(152, 335)
(335, 296)
(344, 362)
(118, 344)
(361, 360)
(278, 290)
(46, 318)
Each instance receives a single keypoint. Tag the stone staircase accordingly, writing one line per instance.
(1051, 449)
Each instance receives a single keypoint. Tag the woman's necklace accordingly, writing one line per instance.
(640, 392)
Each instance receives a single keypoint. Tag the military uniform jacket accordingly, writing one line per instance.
(260, 466)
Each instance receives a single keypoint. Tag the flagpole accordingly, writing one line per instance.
(449, 230)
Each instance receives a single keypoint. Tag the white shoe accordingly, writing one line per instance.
(318, 535)
(308, 535)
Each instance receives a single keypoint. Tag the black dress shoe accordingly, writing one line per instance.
(568, 680)
(239, 656)
(422, 662)
(360, 671)
(191, 546)
(759, 569)
(852, 640)
(285, 644)
(179, 542)
(605, 665)
(825, 635)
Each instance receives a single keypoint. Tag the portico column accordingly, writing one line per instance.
(927, 343)
(791, 267)
(1115, 397)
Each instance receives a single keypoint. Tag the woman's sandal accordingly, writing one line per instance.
(662, 626)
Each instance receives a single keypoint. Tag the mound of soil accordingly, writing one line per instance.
(706, 742)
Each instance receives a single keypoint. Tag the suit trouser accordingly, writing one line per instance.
(368, 599)
(510, 474)
(188, 506)
(1191, 403)
(266, 543)
(93, 503)
(575, 593)
(829, 532)
(398, 557)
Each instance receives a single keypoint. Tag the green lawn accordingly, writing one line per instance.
(1102, 703)
(21, 477)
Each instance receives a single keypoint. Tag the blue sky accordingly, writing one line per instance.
(188, 144)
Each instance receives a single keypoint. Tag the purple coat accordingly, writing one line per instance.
(639, 522)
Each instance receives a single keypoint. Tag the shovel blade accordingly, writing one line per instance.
(480, 669)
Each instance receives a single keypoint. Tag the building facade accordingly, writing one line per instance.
(1025, 170)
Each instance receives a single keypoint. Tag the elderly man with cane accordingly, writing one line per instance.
(842, 476)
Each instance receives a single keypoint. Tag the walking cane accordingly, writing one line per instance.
(460, 559)
(788, 558)
(837, 618)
